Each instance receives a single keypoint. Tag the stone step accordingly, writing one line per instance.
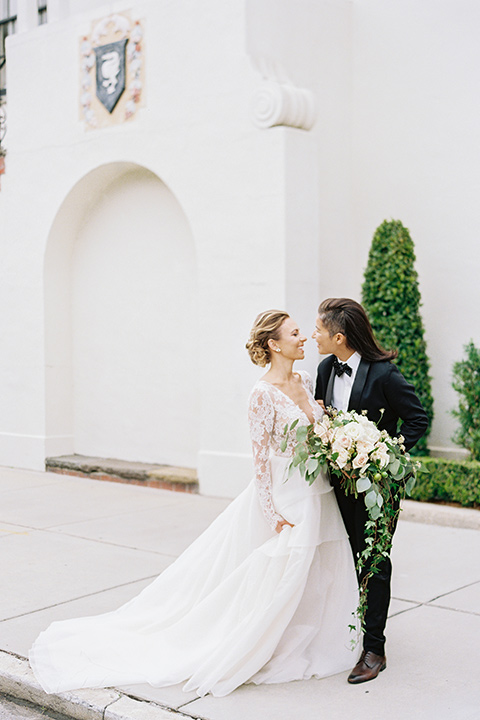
(166, 477)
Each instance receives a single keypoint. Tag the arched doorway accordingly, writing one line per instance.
(120, 309)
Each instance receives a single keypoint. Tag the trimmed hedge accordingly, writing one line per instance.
(391, 297)
(454, 481)
(466, 381)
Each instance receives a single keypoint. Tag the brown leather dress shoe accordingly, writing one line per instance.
(367, 667)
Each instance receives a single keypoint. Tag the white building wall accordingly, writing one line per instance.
(229, 179)
(416, 159)
(271, 217)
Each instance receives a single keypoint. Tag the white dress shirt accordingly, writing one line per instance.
(342, 385)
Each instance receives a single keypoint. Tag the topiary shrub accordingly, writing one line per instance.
(466, 381)
(391, 297)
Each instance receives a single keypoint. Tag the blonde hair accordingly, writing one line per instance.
(266, 326)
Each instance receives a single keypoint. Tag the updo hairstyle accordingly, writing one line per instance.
(266, 326)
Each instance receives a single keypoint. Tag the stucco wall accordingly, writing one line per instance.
(395, 137)
(416, 159)
(277, 217)
(232, 187)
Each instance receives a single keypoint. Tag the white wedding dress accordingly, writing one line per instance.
(242, 603)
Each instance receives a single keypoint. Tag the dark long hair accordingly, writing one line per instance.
(343, 315)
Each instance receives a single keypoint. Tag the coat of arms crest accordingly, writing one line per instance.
(112, 71)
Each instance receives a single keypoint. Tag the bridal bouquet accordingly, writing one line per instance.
(367, 462)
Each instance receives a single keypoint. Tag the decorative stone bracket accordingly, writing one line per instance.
(278, 101)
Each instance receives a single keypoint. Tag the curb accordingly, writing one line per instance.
(164, 477)
(18, 681)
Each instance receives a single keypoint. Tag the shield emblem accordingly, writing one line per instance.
(110, 72)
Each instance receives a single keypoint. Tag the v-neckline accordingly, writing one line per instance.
(293, 401)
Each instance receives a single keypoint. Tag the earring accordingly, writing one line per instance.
(277, 350)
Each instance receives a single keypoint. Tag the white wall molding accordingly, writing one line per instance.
(22, 450)
(277, 103)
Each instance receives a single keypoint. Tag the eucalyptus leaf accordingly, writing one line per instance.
(283, 445)
(312, 464)
(370, 499)
(394, 466)
(410, 484)
(423, 469)
(363, 484)
(375, 512)
(302, 433)
(292, 468)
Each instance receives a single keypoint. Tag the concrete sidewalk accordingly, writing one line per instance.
(73, 546)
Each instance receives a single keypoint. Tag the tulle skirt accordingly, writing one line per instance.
(241, 604)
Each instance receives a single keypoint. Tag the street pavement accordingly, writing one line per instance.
(72, 546)
(14, 709)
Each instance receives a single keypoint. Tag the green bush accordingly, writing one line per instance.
(391, 297)
(451, 481)
(466, 381)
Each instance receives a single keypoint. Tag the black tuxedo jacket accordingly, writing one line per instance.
(379, 385)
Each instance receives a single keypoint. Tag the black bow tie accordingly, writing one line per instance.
(341, 368)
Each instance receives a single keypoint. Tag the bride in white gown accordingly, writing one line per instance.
(264, 595)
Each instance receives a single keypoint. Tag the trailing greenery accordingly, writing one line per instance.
(466, 381)
(391, 297)
(367, 462)
(450, 481)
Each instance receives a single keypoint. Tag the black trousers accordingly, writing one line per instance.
(355, 516)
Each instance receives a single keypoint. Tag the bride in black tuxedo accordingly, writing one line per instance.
(359, 375)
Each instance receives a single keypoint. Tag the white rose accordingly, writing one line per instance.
(321, 431)
(353, 430)
(360, 460)
(373, 434)
(381, 454)
(365, 447)
(384, 460)
(342, 458)
(369, 428)
(337, 446)
(344, 441)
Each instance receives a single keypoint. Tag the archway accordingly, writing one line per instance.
(120, 309)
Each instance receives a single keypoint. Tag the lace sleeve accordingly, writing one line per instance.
(261, 419)
(307, 380)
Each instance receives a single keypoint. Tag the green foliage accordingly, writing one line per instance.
(453, 481)
(466, 381)
(366, 462)
(391, 297)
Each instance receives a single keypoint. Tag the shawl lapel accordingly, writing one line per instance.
(358, 385)
(329, 391)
